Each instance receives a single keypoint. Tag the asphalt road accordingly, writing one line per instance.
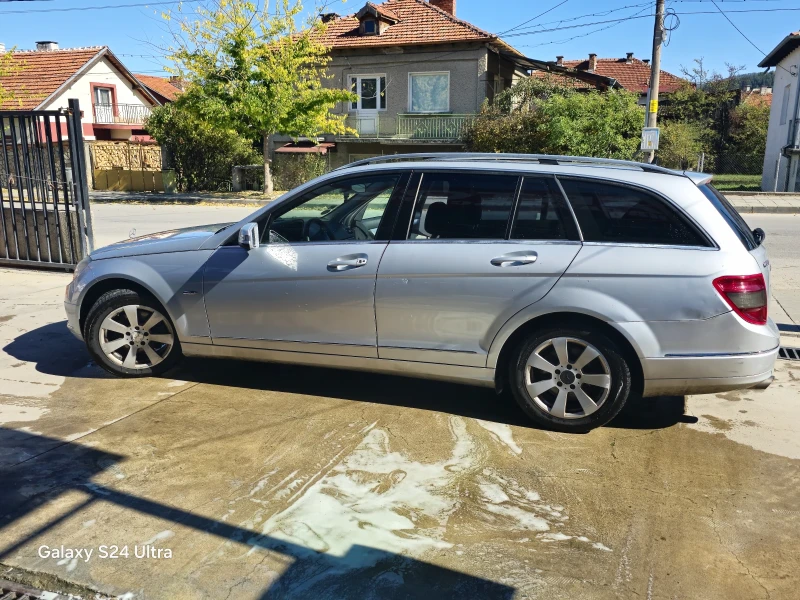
(115, 222)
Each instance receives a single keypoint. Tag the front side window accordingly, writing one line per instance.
(542, 213)
(346, 210)
(429, 92)
(463, 206)
(617, 214)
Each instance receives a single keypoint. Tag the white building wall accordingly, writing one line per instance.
(778, 134)
(101, 72)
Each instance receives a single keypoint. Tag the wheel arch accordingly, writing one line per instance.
(566, 319)
(101, 286)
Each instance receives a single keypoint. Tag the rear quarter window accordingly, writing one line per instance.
(731, 216)
(613, 213)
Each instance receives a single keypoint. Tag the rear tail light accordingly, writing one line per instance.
(746, 295)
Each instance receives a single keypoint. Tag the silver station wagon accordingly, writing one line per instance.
(575, 283)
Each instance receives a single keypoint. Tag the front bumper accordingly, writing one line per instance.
(73, 319)
(704, 374)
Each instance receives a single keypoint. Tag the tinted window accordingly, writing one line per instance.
(542, 213)
(346, 210)
(614, 213)
(463, 206)
(729, 213)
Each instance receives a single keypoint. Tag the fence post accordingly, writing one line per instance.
(701, 159)
(79, 169)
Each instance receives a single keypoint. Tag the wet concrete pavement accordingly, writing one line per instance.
(269, 481)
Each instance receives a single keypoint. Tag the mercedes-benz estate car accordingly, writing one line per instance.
(575, 283)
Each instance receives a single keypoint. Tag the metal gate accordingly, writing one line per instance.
(45, 219)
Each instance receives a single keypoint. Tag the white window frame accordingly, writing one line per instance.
(785, 104)
(358, 79)
(410, 89)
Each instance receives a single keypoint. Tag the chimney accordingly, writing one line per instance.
(646, 61)
(328, 17)
(560, 61)
(628, 58)
(177, 82)
(448, 6)
(592, 62)
(46, 46)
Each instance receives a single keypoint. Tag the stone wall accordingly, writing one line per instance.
(126, 155)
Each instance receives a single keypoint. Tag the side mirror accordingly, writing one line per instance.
(248, 236)
(760, 235)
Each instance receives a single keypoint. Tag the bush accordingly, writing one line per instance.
(679, 145)
(291, 170)
(202, 155)
(547, 117)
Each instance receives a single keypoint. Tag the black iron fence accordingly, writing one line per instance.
(44, 202)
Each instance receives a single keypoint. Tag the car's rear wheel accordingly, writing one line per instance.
(570, 380)
(130, 335)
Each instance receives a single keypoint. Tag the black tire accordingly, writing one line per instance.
(575, 420)
(113, 301)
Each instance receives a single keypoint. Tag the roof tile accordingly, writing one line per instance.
(160, 85)
(634, 76)
(40, 73)
(419, 22)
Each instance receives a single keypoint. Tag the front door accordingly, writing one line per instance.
(479, 248)
(310, 285)
(371, 93)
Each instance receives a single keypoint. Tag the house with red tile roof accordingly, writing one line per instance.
(419, 73)
(630, 73)
(165, 89)
(113, 101)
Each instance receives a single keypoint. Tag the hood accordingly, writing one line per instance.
(175, 240)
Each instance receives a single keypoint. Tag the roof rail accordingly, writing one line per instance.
(543, 159)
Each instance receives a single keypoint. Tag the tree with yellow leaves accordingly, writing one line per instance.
(256, 72)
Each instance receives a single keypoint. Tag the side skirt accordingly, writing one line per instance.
(457, 374)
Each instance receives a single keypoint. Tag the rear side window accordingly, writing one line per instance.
(463, 206)
(731, 216)
(543, 213)
(623, 215)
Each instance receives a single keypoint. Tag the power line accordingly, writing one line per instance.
(552, 8)
(108, 6)
(737, 29)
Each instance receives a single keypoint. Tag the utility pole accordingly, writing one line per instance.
(655, 72)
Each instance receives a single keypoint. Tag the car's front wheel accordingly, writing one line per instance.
(130, 335)
(570, 380)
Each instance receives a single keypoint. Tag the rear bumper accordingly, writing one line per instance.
(702, 374)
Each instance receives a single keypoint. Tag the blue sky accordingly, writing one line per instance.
(131, 32)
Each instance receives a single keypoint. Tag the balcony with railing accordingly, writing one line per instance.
(421, 127)
(120, 114)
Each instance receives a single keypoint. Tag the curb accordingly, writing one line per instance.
(783, 210)
(177, 201)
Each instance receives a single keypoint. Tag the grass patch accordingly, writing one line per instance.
(737, 183)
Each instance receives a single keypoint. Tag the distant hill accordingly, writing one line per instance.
(754, 80)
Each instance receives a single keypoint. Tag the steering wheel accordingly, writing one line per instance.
(312, 233)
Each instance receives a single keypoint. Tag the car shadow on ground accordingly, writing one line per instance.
(54, 467)
(57, 352)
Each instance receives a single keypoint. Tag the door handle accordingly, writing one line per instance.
(515, 259)
(351, 261)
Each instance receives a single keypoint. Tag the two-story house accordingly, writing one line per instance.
(419, 74)
(113, 102)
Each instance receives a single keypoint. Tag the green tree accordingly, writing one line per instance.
(202, 153)
(748, 133)
(255, 72)
(549, 116)
(679, 144)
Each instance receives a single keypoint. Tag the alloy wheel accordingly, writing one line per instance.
(567, 378)
(136, 337)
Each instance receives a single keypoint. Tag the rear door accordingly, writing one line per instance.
(469, 251)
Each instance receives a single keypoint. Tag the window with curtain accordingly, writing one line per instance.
(429, 92)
